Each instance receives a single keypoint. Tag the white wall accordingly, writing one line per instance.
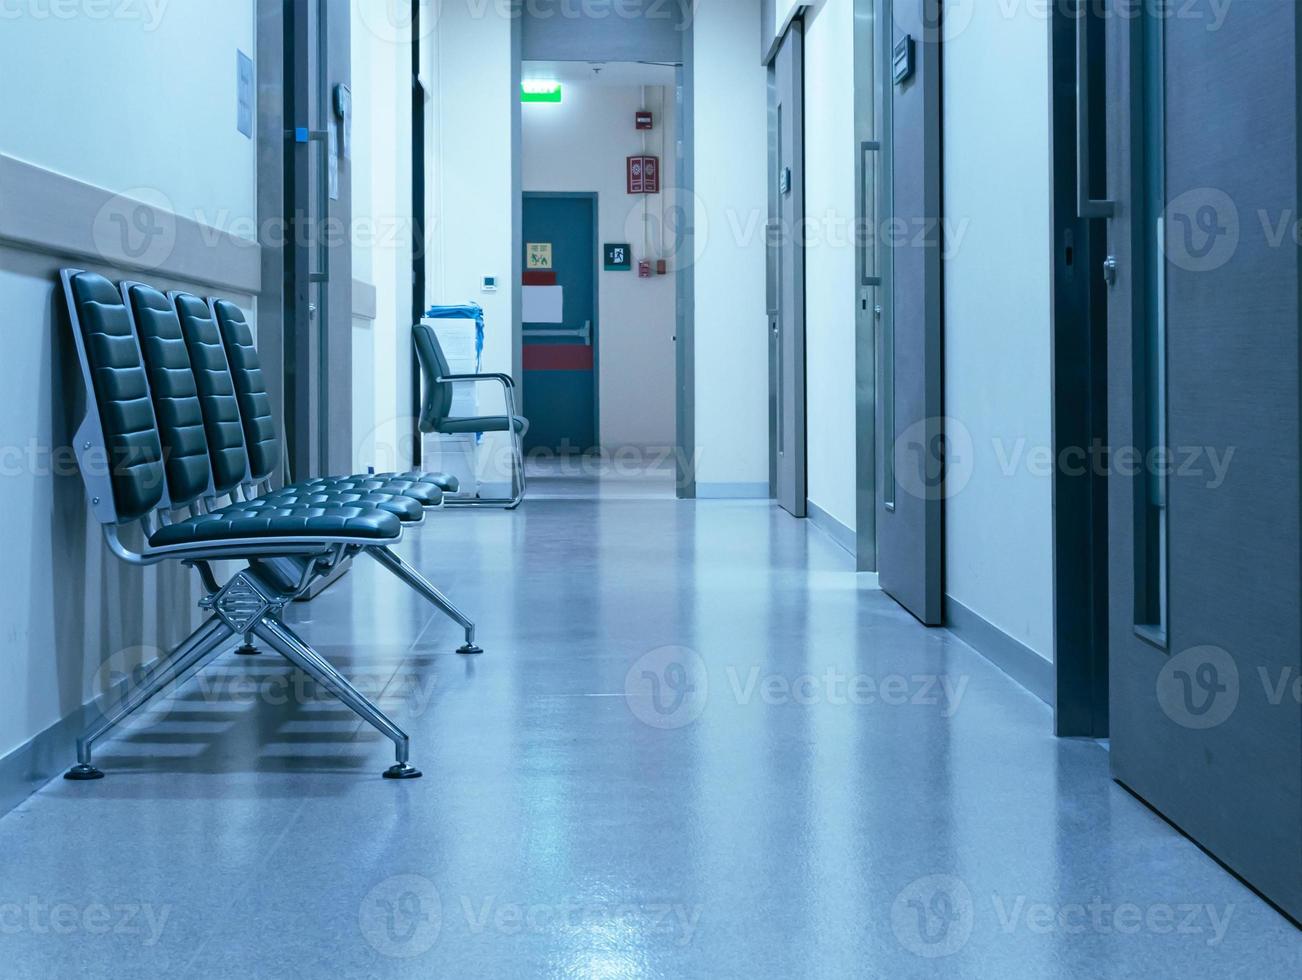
(66, 604)
(731, 143)
(582, 145)
(469, 187)
(382, 254)
(998, 384)
(101, 99)
(830, 271)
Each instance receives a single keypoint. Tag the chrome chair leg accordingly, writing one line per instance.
(518, 477)
(285, 642)
(391, 560)
(205, 642)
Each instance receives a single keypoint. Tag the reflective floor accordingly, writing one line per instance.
(696, 746)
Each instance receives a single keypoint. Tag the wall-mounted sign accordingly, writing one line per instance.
(643, 119)
(538, 255)
(644, 175)
(619, 258)
(534, 90)
(903, 58)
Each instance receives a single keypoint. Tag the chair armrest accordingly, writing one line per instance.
(504, 379)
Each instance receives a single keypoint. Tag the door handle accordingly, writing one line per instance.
(583, 333)
(1086, 206)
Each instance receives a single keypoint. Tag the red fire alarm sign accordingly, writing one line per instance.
(644, 119)
(644, 175)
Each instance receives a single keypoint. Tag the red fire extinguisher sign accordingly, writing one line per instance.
(644, 175)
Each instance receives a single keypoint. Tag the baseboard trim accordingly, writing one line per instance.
(833, 528)
(42, 758)
(732, 491)
(1015, 659)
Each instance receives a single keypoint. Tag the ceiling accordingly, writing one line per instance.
(612, 73)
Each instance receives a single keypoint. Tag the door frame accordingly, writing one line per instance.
(682, 257)
(419, 222)
(1079, 327)
(592, 197)
(774, 246)
(870, 274)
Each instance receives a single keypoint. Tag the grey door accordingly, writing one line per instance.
(912, 431)
(787, 262)
(1206, 644)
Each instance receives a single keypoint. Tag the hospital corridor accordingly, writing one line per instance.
(651, 489)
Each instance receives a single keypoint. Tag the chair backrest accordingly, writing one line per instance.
(221, 411)
(250, 388)
(175, 392)
(437, 401)
(120, 424)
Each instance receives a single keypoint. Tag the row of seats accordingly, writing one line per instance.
(179, 439)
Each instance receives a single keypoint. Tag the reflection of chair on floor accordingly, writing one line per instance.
(434, 418)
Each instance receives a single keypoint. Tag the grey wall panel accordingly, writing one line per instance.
(631, 30)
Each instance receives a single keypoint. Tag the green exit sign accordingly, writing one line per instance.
(534, 91)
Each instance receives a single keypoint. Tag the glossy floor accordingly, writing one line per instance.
(697, 746)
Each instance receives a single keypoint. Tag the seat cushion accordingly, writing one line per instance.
(425, 494)
(483, 423)
(240, 522)
(406, 509)
(444, 481)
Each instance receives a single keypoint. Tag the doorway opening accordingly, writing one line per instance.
(600, 243)
(1080, 388)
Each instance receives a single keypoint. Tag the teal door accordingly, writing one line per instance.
(560, 322)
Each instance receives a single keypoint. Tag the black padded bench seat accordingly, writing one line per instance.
(404, 506)
(292, 519)
(424, 492)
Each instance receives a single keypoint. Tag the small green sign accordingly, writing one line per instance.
(539, 91)
(619, 258)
